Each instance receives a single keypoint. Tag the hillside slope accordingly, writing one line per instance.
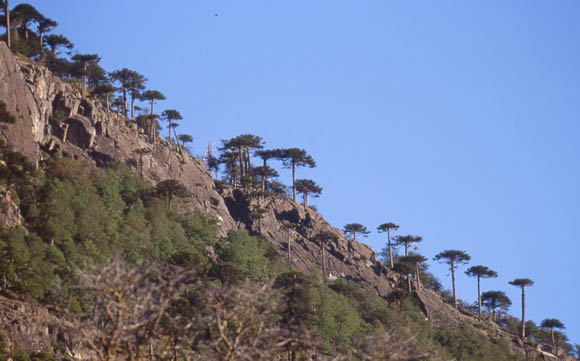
(53, 118)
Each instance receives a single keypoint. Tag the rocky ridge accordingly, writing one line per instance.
(53, 117)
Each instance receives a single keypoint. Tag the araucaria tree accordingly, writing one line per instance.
(523, 283)
(169, 189)
(495, 300)
(238, 151)
(453, 258)
(551, 324)
(387, 227)
(292, 158)
(171, 116)
(323, 238)
(480, 272)
(351, 230)
(413, 263)
(84, 61)
(308, 187)
(406, 241)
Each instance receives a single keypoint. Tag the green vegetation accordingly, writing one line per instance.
(97, 240)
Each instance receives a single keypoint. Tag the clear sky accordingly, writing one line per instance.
(458, 120)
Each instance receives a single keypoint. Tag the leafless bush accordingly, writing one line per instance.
(129, 306)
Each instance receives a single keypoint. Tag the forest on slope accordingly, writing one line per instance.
(77, 217)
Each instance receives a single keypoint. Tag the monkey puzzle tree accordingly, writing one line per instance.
(480, 272)
(308, 187)
(184, 138)
(323, 238)
(551, 324)
(495, 300)
(105, 90)
(135, 84)
(169, 189)
(170, 115)
(289, 227)
(83, 61)
(44, 26)
(54, 42)
(407, 241)
(127, 80)
(151, 96)
(453, 258)
(351, 230)
(266, 154)
(411, 264)
(141, 152)
(291, 159)
(241, 146)
(23, 15)
(387, 227)
(523, 283)
(264, 172)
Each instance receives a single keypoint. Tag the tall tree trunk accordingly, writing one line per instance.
(124, 101)
(169, 127)
(409, 282)
(478, 296)
(132, 106)
(241, 163)
(294, 181)
(323, 260)
(406, 249)
(390, 248)
(289, 248)
(305, 194)
(7, 12)
(453, 281)
(523, 312)
(264, 178)
(151, 107)
(417, 277)
(176, 139)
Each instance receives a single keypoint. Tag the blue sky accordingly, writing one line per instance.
(457, 120)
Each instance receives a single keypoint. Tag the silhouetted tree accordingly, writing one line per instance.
(170, 116)
(523, 283)
(135, 84)
(266, 155)
(126, 79)
(351, 230)
(44, 26)
(415, 261)
(292, 158)
(551, 324)
(480, 272)
(289, 227)
(23, 15)
(213, 164)
(387, 227)
(105, 90)
(494, 300)
(242, 146)
(453, 258)
(264, 173)
(169, 189)
(184, 138)
(406, 241)
(308, 187)
(56, 41)
(151, 96)
(141, 152)
(83, 61)
(323, 238)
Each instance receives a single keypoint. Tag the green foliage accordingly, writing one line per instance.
(247, 254)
